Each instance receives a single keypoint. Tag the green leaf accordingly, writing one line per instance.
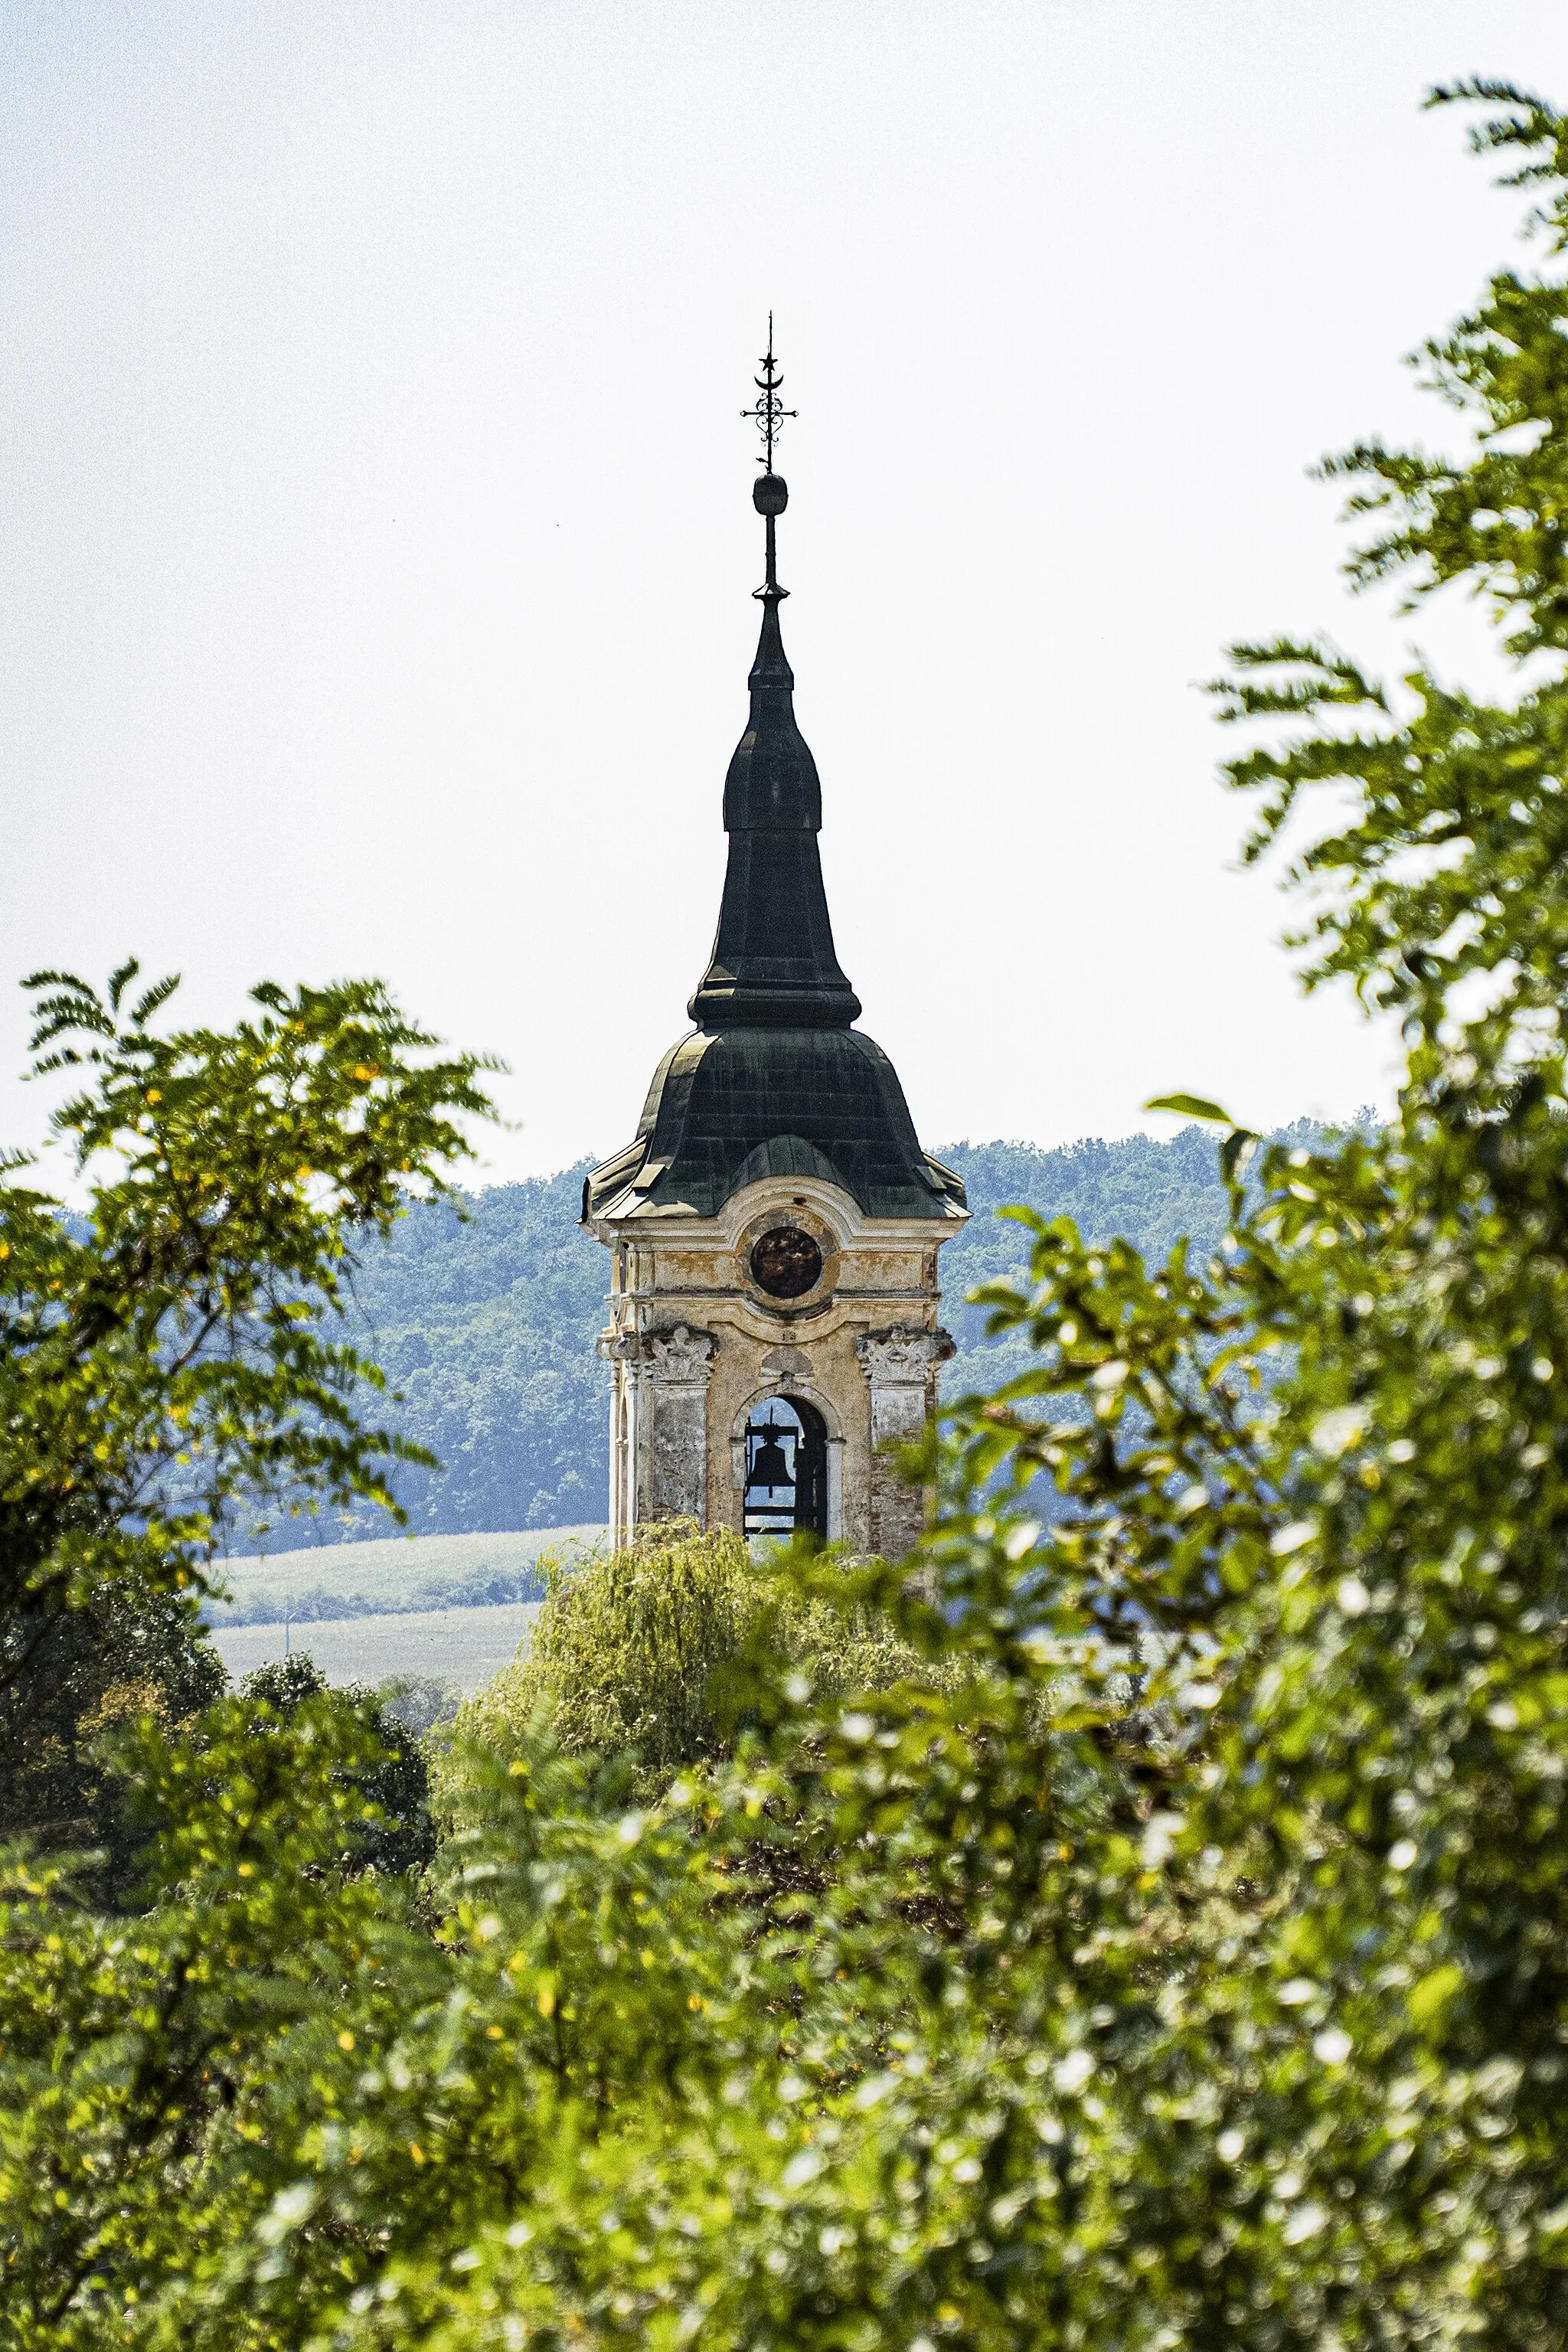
(1430, 1995)
(1191, 1107)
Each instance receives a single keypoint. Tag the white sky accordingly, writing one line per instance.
(375, 539)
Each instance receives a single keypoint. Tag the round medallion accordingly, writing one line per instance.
(786, 1262)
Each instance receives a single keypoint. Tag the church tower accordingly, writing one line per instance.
(773, 1229)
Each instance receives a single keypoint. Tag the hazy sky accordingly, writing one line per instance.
(375, 544)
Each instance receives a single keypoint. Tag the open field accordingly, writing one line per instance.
(467, 1646)
(425, 1574)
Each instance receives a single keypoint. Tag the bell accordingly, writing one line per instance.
(770, 1464)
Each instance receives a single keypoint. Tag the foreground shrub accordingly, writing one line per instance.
(1177, 1958)
(636, 1652)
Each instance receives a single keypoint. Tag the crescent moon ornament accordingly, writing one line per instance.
(768, 412)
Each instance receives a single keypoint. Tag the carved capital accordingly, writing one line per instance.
(901, 1356)
(679, 1359)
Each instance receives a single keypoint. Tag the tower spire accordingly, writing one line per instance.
(774, 964)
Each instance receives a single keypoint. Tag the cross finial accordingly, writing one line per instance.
(769, 412)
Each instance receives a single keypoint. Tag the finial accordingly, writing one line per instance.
(770, 491)
(768, 414)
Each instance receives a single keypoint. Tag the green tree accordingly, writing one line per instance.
(1182, 1962)
(131, 1653)
(167, 1351)
(136, 2059)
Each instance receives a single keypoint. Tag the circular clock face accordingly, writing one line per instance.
(786, 1262)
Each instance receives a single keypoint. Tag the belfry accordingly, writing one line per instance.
(774, 1228)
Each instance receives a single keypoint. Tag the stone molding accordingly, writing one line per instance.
(642, 1227)
(679, 1358)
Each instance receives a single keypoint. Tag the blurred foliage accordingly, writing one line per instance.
(1147, 1190)
(1177, 1958)
(419, 1703)
(484, 1312)
(395, 1833)
(97, 1669)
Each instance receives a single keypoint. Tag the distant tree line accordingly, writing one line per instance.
(484, 1312)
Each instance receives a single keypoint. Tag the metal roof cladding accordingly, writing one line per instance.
(775, 1080)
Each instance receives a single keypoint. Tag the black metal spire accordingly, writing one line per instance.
(774, 964)
(776, 1081)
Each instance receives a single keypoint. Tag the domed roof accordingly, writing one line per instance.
(730, 1106)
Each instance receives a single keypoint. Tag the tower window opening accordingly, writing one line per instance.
(786, 1469)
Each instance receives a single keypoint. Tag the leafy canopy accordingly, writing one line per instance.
(1176, 1956)
(174, 1353)
(169, 1349)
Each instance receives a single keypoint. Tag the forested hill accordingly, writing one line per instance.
(486, 1326)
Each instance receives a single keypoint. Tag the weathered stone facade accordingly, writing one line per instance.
(696, 1346)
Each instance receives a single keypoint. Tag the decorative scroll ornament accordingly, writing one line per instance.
(768, 412)
(681, 1359)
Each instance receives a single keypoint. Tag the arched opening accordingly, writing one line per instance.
(786, 1469)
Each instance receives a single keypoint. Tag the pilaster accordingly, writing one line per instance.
(899, 1364)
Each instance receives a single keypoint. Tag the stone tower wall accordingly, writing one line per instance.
(696, 1346)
